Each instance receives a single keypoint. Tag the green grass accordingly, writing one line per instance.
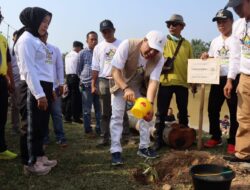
(80, 166)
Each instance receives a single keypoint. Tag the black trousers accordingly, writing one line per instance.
(165, 94)
(215, 102)
(34, 123)
(3, 111)
(74, 104)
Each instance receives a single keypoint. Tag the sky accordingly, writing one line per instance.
(73, 19)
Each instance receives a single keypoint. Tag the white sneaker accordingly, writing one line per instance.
(36, 169)
(46, 162)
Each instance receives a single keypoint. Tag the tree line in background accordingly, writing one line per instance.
(198, 45)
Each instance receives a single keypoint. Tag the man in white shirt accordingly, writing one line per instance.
(240, 62)
(220, 48)
(134, 62)
(72, 80)
(101, 74)
(56, 111)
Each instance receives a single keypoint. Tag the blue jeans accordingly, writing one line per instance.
(87, 100)
(56, 114)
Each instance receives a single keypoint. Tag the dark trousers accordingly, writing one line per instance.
(34, 123)
(215, 102)
(165, 94)
(73, 105)
(3, 111)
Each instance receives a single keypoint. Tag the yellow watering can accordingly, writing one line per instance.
(141, 108)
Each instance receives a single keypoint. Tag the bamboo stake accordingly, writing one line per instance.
(199, 145)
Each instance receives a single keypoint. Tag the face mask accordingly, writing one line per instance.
(174, 38)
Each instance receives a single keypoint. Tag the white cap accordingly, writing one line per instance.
(156, 40)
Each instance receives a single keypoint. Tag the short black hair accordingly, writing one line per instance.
(78, 44)
(15, 33)
(91, 32)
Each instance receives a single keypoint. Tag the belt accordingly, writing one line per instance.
(72, 75)
(105, 78)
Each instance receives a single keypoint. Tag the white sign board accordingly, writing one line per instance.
(204, 71)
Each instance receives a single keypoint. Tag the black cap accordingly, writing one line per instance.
(106, 24)
(223, 14)
(233, 3)
(78, 44)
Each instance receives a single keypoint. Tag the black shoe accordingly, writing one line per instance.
(116, 159)
(235, 159)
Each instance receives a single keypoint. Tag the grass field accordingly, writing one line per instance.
(80, 166)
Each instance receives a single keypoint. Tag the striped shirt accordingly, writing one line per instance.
(84, 70)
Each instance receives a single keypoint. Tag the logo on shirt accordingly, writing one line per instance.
(49, 54)
(109, 56)
(223, 52)
(245, 46)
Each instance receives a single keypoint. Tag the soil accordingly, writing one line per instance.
(173, 169)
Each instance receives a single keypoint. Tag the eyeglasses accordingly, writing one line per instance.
(174, 24)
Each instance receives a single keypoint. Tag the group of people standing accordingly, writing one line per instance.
(112, 74)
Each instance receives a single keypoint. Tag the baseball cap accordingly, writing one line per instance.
(223, 14)
(176, 18)
(106, 24)
(156, 40)
(233, 3)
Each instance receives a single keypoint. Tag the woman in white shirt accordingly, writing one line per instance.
(36, 73)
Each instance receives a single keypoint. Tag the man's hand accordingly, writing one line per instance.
(228, 88)
(94, 89)
(54, 96)
(204, 56)
(42, 103)
(11, 87)
(149, 115)
(60, 90)
(129, 95)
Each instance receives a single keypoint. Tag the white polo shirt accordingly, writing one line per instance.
(102, 56)
(121, 57)
(58, 67)
(239, 61)
(220, 48)
(71, 60)
(34, 63)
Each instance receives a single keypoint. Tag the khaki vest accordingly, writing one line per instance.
(131, 66)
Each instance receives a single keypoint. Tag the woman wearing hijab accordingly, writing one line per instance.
(36, 73)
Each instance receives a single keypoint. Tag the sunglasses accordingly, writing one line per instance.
(174, 24)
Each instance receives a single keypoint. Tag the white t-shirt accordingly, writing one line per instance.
(57, 65)
(220, 48)
(102, 56)
(239, 61)
(71, 60)
(34, 63)
(121, 57)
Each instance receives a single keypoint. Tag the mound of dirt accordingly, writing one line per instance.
(173, 168)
